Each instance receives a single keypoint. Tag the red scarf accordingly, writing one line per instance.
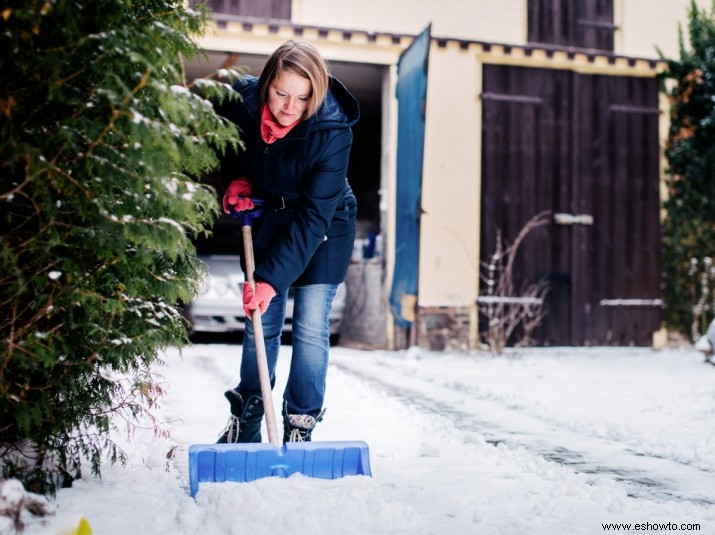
(271, 129)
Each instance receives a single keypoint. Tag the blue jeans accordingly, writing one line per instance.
(305, 388)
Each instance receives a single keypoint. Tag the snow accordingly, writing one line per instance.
(16, 505)
(550, 441)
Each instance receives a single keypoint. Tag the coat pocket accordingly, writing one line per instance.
(343, 222)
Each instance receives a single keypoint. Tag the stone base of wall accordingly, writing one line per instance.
(364, 321)
(441, 328)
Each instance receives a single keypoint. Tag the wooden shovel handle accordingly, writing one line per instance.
(261, 359)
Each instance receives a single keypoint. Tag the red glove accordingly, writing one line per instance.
(237, 195)
(260, 300)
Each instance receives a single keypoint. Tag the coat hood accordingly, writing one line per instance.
(339, 108)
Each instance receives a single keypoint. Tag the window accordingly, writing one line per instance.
(572, 23)
(265, 9)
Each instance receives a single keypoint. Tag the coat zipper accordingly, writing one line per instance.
(265, 167)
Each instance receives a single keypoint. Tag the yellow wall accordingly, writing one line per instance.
(450, 189)
(502, 21)
(642, 24)
(645, 24)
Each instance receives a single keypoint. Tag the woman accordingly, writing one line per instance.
(295, 121)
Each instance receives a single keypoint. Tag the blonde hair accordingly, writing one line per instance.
(303, 59)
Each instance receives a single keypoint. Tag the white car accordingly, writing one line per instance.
(218, 308)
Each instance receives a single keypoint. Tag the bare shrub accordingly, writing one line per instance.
(511, 311)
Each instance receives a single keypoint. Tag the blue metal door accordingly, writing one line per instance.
(411, 95)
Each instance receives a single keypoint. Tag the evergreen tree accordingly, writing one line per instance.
(689, 225)
(101, 142)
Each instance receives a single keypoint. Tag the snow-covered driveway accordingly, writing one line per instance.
(554, 441)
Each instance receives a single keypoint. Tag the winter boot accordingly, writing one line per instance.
(299, 427)
(244, 424)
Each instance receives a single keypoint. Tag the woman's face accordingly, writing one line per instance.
(288, 96)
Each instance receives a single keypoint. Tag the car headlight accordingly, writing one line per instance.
(203, 286)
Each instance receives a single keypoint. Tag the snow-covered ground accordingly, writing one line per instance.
(552, 441)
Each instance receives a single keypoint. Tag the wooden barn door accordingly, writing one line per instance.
(616, 272)
(585, 148)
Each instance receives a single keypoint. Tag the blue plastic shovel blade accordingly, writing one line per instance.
(218, 463)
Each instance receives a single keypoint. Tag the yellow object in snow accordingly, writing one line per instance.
(83, 528)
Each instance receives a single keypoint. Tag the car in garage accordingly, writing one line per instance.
(218, 307)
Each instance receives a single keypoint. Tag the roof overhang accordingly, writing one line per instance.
(358, 57)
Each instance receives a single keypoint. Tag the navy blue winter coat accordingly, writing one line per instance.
(307, 230)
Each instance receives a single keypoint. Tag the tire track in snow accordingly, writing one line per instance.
(643, 476)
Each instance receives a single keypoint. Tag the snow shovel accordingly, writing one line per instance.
(247, 462)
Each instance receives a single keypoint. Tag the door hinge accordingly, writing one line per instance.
(658, 303)
(573, 219)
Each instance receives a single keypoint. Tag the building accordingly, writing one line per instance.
(478, 116)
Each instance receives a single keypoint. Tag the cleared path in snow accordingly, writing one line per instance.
(642, 474)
